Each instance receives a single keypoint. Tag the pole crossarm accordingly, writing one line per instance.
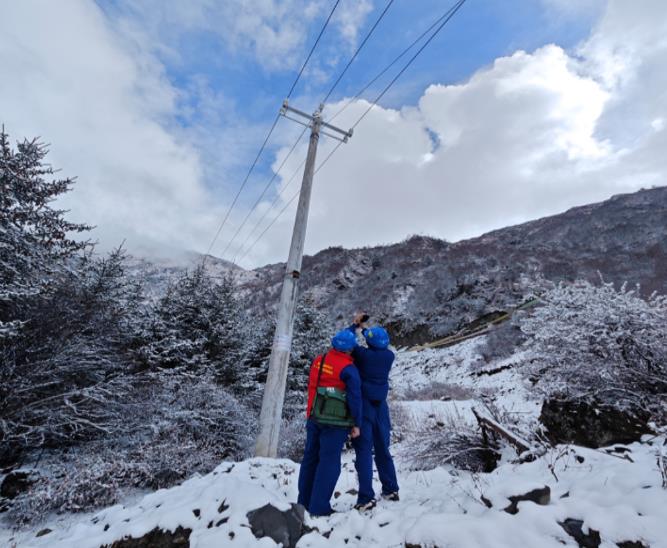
(310, 117)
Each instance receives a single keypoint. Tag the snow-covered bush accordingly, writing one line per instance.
(597, 342)
(501, 342)
(438, 391)
(292, 438)
(456, 443)
(197, 322)
(178, 424)
(63, 377)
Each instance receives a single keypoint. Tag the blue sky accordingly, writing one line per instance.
(251, 92)
(518, 110)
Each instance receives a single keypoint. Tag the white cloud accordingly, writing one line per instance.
(349, 17)
(274, 32)
(103, 110)
(531, 135)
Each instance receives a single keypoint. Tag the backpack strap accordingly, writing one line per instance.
(319, 373)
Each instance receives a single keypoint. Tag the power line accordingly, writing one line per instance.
(331, 90)
(446, 20)
(395, 60)
(268, 136)
(252, 167)
(266, 188)
(268, 210)
(289, 202)
(443, 20)
(313, 48)
(354, 56)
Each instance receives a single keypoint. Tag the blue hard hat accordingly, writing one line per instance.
(344, 340)
(377, 337)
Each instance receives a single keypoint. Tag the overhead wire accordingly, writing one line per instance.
(266, 188)
(317, 41)
(440, 22)
(269, 209)
(446, 20)
(356, 53)
(288, 203)
(268, 135)
(391, 64)
(331, 90)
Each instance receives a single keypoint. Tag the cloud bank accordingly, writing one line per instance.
(530, 135)
(533, 134)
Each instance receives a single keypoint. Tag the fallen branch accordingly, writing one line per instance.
(517, 442)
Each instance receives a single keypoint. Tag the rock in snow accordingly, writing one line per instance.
(285, 527)
(591, 424)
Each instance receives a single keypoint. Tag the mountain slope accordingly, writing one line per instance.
(424, 287)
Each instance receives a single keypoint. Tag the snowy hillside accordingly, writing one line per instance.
(615, 492)
(425, 287)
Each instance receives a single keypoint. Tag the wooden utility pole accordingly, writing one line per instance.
(274, 390)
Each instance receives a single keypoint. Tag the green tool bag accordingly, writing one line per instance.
(330, 405)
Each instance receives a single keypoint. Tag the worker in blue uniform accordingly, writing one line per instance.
(334, 411)
(374, 364)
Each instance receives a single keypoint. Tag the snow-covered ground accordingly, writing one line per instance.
(617, 492)
(618, 496)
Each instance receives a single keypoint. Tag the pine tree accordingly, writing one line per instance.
(34, 237)
(63, 314)
(197, 323)
(312, 335)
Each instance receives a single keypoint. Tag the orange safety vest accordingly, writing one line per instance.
(334, 363)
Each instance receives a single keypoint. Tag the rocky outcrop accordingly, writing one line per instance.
(441, 287)
(540, 496)
(592, 424)
(15, 483)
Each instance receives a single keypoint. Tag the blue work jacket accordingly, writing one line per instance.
(374, 366)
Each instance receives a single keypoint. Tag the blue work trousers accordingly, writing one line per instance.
(320, 466)
(375, 434)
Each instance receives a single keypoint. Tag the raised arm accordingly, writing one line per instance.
(350, 376)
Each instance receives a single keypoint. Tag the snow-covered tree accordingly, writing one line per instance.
(35, 237)
(312, 336)
(197, 322)
(64, 378)
(603, 343)
(65, 314)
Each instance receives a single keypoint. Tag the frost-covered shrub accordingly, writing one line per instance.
(178, 424)
(292, 438)
(455, 443)
(501, 342)
(600, 343)
(197, 322)
(62, 378)
(438, 391)
(312, 336)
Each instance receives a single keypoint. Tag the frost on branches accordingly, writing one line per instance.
(33, 235)
(597, 342)
(198, 322)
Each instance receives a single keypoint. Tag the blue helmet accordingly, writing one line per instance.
(377, 337)
(344, 340)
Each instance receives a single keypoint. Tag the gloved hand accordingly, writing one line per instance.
(360, 319)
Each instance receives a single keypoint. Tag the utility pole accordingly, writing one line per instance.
(274, 390)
